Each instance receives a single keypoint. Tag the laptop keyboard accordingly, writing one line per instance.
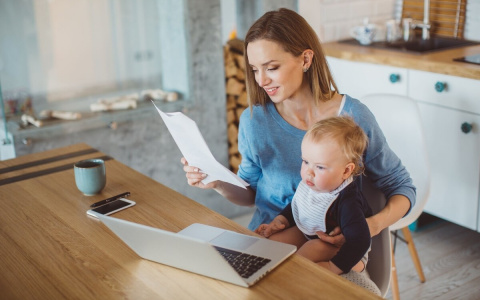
(244, 264)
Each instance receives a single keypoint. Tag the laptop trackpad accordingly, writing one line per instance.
(233, 241)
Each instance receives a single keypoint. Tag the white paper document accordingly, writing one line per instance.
(186, 134)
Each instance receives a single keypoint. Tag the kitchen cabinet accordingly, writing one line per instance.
(454, 164)
(445, 90)
(358, 79)
(450, 111)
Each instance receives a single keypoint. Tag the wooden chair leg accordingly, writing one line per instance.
(395, 290)
(413, 252)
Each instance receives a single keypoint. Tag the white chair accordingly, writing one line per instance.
(380, 256)
(400, 121)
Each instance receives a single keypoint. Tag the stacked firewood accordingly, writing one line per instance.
(236, 96)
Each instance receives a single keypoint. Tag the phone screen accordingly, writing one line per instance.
(112, 207)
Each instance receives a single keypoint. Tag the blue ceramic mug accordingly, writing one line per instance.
(90, 176)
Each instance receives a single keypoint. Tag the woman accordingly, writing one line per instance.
(290, 88)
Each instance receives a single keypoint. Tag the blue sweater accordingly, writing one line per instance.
(271, 158)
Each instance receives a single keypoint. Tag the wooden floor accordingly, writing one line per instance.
(450, 257)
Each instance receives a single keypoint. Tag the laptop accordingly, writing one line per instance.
(210, 251)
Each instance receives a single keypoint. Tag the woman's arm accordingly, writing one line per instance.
(235, 194)
(387, 173)
(396, 207)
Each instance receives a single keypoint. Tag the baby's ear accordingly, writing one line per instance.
(348, 170)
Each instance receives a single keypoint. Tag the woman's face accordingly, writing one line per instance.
(278, 72)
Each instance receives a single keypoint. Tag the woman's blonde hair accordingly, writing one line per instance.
(349, 136)
(291, 31)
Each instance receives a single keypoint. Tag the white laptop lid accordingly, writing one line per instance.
(186, 252)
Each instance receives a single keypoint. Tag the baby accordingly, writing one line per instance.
(328, 196)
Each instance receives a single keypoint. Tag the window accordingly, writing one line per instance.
(57, 50)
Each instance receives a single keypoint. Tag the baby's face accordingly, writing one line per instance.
(324, 166)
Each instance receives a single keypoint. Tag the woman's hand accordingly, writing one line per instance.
(335, 237)
(395, 209)
(278, 224)
(235, 194)
(195, 177)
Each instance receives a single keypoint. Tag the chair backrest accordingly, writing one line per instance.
(399, 119)
(380, 256)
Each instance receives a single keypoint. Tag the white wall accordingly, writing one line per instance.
(472, 21)
(332, 19)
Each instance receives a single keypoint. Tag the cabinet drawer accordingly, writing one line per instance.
(454, 163)
(358, 79)
(449, 91)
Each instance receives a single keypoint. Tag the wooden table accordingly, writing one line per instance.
(50, 249)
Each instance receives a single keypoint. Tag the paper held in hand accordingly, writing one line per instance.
(195, 150)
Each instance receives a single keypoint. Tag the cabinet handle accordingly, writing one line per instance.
(394, 78)
(466, 127)
(440, 86)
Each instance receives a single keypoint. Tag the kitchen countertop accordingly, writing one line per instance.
(436, 62)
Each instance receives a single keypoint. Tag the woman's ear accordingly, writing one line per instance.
(348, 170)
(307, 58)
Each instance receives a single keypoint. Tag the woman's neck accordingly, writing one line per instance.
(302, 112)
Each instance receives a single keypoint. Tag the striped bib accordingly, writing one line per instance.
(310, 207)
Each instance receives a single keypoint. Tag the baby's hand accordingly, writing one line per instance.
(261, 230)
(278, 224)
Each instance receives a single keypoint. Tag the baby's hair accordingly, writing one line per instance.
(350, 137)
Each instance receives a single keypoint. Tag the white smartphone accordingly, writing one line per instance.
(111, 207)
